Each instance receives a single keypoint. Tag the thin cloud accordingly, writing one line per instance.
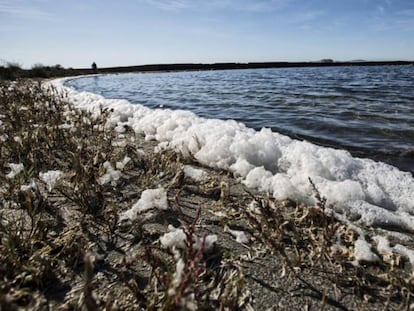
(232, 5)
(405, 23)
(169, 5)
(261, 6)
(381, 9)
(9, 8)
(406, 13)
(399, 21)
(307, 16)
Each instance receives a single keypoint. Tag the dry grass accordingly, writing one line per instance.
(51, 233)
(62, 245)
(312, 242)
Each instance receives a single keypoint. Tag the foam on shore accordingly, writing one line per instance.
(365, 191)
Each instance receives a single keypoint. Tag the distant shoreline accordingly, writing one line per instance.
(14, 71)
(233, 66)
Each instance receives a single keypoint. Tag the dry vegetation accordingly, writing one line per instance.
(63, 246)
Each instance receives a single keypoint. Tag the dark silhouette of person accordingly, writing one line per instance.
(94, 67)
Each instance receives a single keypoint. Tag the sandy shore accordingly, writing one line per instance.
(67, 243)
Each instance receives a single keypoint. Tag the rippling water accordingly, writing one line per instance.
(366, 110)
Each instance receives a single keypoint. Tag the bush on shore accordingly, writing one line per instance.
(13, 71)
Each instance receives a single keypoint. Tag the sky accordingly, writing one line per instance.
(75, 33)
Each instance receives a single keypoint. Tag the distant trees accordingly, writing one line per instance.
(13, 71)
(39, 70)
(327, 60)
(10, 71)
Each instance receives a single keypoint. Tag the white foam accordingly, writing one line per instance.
(30, 186)
(195, 173)
(177, 276)
(15, 169)
(383, 246)
(240, 236)
(50, 178)
(375, 193)
(150, 199)
(121, 164)
(176, 238)
(111, 175)
(363, 252)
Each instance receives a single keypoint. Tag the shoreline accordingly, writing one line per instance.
(283, 161)
(399, 158)
(249, 65)
(58, 71)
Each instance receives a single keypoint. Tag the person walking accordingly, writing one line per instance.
(94, 67)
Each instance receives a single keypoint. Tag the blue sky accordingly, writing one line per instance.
(74, 33)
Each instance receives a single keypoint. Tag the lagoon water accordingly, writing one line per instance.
(366, 110)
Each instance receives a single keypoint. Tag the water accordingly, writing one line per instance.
(366, 110)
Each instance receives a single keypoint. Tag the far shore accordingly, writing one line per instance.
(249, 65)
(13, 71)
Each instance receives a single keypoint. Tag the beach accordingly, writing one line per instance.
(95, 215)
